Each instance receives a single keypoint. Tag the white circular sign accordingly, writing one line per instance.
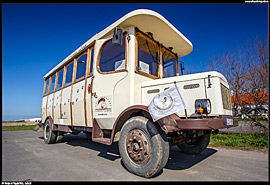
(163, 102)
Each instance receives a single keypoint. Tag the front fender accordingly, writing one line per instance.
(54, 128)
(135, 109)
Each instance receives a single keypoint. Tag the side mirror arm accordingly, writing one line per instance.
(118, 36)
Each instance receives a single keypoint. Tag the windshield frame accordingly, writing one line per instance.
(160, 62)
(176, 72)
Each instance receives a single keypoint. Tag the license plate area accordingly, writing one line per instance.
(229, 122)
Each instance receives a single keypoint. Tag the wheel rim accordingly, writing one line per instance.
(138, 146)
(194, 141)
(46, 131)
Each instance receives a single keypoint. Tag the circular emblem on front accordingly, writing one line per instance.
(163, 101)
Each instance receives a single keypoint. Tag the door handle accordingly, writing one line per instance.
(91, 88)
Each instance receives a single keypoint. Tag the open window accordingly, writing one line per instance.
(112, 58)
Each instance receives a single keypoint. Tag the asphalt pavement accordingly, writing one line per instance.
(25, 157)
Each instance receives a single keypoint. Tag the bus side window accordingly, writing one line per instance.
(60, 79)
(53, 83)
(112, 58)
(47, 86)
(69, 73)
(81, 66)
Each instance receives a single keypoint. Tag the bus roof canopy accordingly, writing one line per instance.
(147, 21)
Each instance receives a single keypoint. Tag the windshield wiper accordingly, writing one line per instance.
(151, 52)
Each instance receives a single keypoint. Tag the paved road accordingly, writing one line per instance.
(26, 157)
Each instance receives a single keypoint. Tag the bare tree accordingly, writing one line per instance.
(246, 70)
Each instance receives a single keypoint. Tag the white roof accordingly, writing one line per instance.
(147, 21)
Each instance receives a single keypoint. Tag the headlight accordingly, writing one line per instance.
(202, 106)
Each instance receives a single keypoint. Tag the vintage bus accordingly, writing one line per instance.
(105, 86)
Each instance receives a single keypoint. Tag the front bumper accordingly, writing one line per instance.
(174, 123)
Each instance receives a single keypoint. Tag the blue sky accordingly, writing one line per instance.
(36, 37)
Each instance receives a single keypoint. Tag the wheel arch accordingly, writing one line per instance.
(54, 128)
(135, 110)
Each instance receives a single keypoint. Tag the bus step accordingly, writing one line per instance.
(106, 141)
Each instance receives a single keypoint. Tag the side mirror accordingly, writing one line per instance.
(117, 37)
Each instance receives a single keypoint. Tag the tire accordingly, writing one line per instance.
(197, 145)
(143, 146)
(49, 136)
(59, 137)
(88, 135)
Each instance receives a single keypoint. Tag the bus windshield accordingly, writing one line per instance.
(169, 61)
(149, 56)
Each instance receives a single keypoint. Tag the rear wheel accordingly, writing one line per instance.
(49, 136)
(144, 147)
(59, 136)
(197, 145)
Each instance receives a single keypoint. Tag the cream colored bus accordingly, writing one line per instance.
(104, 89)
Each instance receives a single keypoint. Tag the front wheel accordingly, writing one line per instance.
(143, 146)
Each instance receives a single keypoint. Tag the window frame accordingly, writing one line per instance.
(161, 47)
(65, 73)
(48, 79)
(75, 68)
(137, 34)
(45, 85)
(90, 54)
(100, 52)
(51, 76)
(175, 55)
(62, 68)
